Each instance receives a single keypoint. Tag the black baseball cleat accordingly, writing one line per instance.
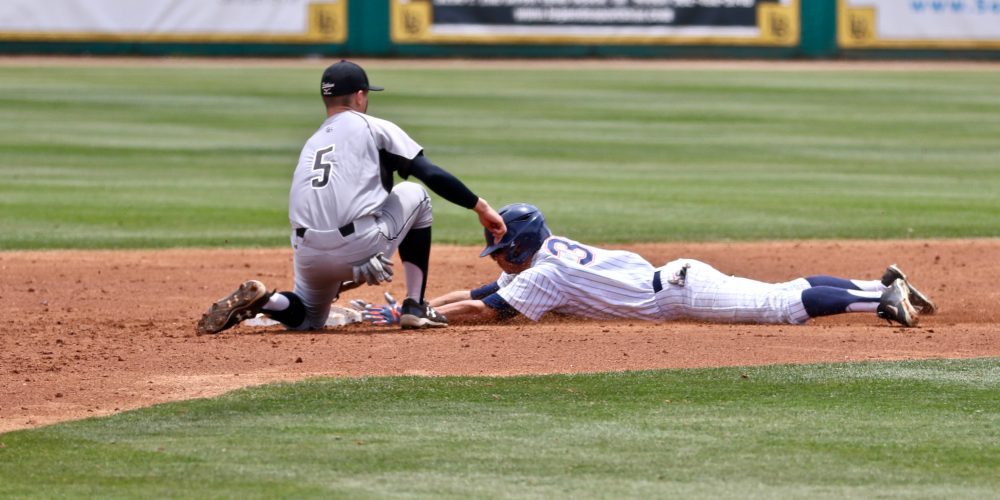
(242, 304)
(919, 300)
(895, 305)
(420, 315)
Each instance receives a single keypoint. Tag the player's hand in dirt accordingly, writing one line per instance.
(378, 314)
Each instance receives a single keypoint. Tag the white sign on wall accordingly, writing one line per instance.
(174, 20)
(968, 24)
(659, 22)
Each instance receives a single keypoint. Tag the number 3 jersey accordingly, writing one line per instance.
(345, 170)
(571, 278)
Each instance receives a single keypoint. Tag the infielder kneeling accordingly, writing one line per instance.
(348, 218)
(543, 273)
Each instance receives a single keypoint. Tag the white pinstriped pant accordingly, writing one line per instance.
(710, 295)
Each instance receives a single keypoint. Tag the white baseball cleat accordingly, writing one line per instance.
(918, 299)
(895, 305)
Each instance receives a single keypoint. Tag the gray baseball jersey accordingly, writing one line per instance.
(339, 177)
(571, 278)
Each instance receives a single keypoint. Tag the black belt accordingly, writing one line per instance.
(345, 230)
(657, 284)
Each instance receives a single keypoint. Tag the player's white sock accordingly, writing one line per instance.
(870, 285)
(868, 300)
(277, 302)
(287, 308)
(846, 284)
(414, 280)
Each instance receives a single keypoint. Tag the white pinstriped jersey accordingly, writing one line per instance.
(571, 278)
(339, 177)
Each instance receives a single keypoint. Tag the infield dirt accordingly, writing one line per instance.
(89, 333)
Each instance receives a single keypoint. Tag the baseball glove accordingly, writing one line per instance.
(373, 271)
(378, 314)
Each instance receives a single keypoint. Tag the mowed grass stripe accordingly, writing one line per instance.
(912, 429)
(633, 155)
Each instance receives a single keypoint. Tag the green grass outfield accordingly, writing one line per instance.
(101, 156)
(98, 155)
(928, 429)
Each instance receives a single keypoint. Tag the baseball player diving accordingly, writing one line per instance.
(347, 218)
(543, 273)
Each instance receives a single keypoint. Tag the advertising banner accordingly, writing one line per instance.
(634, 22)
(914, 24)
(266, 21)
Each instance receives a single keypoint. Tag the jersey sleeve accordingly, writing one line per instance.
(532, 292)
(484, 291)
(393, 140)
(438, 180)
(503, 310)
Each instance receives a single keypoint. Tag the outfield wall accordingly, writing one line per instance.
(506, 28)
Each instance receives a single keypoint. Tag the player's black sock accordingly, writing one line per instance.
(416, 249)
(293, 315)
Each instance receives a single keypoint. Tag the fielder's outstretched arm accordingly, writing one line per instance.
(450, 188)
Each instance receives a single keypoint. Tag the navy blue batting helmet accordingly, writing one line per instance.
(526, 230)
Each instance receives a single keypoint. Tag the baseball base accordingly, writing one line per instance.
(339, 316)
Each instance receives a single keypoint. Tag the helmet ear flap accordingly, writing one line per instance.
(516, 255)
